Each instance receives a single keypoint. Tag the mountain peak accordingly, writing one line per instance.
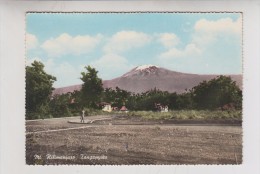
(142, 70)
(143, 67)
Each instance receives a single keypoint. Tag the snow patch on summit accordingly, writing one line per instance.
(142, 70)
(142, 67)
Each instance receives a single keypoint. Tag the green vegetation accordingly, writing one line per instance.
(91, 111)
(218, 98)
(117, 97)
(38, 91)
(92, 88)
(188, 114)
(60, 106)
(216, 93)
(210, 95)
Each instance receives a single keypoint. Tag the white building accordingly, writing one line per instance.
(106, 107)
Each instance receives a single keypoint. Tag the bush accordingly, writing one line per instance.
(41, 112)
(91, 112)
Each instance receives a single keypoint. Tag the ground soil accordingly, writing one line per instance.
(116, 140)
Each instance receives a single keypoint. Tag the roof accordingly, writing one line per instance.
(123, 108)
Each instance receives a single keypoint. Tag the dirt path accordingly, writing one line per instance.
(57, 130)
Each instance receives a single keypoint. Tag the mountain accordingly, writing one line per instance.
(64, 90)
(146, 77)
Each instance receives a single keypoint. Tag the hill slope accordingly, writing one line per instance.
(145, 77)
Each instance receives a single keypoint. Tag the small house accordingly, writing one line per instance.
(124, 109)
(106, 107)
(161, 108)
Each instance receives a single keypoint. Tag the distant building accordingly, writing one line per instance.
(161, 108)
(165, 109)
(124, 109)
(106, 107)
(115, 108)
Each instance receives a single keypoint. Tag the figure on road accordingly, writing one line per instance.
(82, 116)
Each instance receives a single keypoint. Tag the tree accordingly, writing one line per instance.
(109, 95)
(92, 87)
(216, 93)
(59, 105)
(121, 97)
(147, 100)
(185, 101)
(38, 89)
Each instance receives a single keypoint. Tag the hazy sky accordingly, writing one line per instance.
(114, 43)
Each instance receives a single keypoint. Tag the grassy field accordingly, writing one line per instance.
(177, 114)
(189, 115)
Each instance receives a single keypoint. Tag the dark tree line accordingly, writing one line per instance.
(212, 94)
(216, 93)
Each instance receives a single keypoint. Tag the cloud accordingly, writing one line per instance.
(66, 44)
(168, 39)
(189, 50)
(126, 40)
(214, 46)
(31, 41)
(206, 34)
(66, 74)
(226, 25)
(114, 64)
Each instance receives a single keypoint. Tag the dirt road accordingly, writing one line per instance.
(124, 140)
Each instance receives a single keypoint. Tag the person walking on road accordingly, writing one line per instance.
(82, 116)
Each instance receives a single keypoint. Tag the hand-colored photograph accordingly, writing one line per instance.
(153, 88)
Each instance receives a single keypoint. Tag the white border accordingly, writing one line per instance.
(12, 80)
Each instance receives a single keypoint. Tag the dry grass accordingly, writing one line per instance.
(189, 114)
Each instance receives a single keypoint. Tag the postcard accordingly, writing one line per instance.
(129, 87)
(134, 88)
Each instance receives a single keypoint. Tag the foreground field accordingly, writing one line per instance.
(131, 140)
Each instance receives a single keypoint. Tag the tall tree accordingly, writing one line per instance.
(217, 92)
(92, 87)
(38, 88)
